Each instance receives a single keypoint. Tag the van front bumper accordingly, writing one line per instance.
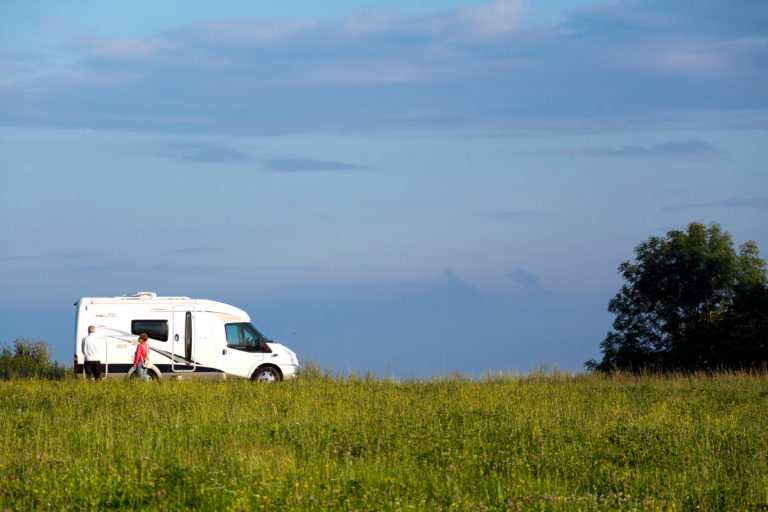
(290, 371)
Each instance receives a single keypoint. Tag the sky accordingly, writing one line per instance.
(408, 188)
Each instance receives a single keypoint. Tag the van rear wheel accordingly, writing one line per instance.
(151, 376)
(266, 374)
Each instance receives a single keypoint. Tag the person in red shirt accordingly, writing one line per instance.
(140, 359)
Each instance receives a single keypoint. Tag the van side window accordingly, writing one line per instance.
(244, 336)
(250, 336)
(155, 329)
(233, 335)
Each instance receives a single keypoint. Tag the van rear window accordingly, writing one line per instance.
(155, 329)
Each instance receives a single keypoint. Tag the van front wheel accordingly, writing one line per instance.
(266, 374)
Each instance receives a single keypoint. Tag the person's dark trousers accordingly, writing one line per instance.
(93, 369)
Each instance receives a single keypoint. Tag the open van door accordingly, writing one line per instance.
(182, 339)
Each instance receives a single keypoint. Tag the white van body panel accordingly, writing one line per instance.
(189, 338)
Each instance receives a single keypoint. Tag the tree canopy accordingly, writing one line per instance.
(690, 301)
(29, 359)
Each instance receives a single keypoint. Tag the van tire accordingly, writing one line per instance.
(267, 374)
(134, 375)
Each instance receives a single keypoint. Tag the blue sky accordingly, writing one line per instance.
(382, 185)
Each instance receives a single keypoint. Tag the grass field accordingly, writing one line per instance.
(537, 442)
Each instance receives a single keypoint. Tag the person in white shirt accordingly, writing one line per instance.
(93, 350)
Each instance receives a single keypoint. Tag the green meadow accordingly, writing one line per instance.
(545, 441)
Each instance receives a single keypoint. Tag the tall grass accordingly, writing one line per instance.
(509, 442)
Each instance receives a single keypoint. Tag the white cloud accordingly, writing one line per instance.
(686, 60)
(499, 17)
(476, 21)
(674, 149)
(357, 72)
(120, 48)
(247, 31)
(758, 203)
(470, 68)
(371, 21)
(678, 58)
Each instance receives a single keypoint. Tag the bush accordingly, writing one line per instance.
(29, 359)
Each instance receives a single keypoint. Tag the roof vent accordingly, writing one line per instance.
(143, 295)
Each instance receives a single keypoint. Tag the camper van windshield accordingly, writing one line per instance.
(243, 335)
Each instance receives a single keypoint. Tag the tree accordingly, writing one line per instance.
(690, 301)
(29, 359)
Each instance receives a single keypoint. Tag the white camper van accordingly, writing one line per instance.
(188, 339)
